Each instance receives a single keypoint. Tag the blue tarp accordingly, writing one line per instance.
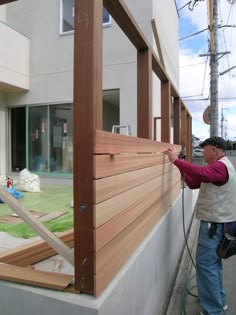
(14, 193)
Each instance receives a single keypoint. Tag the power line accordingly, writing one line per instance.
(206, 29)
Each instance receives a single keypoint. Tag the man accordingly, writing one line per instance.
(215, 205)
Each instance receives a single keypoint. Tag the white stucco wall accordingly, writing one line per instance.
(3, 11)
(14, 58)
(166, 17)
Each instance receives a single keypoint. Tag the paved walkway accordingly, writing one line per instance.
(182, 302)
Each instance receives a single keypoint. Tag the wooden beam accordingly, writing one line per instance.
(183, 125)
(121, 14)
(6, 1)
(37, 226)
(87, 113)
(165, 111)
(189, 138)
(144, 111)
(157, 40)
(176, 120)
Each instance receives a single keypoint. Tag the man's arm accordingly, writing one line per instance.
(215, 172)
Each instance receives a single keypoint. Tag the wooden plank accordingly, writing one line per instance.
(157, 40)
(109, 187)
(128, 240)
(45, 279)
(165, 111)
(106, 210)
(35, 251)
(105, 233)
(87, 115)
(52, 216)
(36, 225)
(42, 217)
(14, 218)
(109, 165)
(111, 143)
(144, 83)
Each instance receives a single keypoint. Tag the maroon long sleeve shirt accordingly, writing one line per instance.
(215, 173)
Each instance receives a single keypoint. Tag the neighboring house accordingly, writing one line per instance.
(36, 80)
(36, 110)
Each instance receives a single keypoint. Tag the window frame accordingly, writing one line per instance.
(105, 24)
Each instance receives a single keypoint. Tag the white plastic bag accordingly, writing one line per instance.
(28, 182)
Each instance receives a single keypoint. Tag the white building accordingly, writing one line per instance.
(36, 78)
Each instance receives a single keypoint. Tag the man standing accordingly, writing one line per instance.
(215, 205)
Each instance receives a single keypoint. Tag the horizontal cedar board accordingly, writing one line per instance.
(109, 165)
(113, 256)
(112, 143)
(106, 210)
(35, 251)
(105, 233)
(34, 277)
(109, 187)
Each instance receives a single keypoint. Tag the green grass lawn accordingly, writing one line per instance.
(50, 199)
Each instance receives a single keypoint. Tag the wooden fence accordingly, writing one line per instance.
(122, 184)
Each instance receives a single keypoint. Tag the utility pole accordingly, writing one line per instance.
(214, 71)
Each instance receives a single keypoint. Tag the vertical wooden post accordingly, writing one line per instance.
(176, 120)
(165, 111)
(183, 126)
(144, 87)
(189, 138)
(87, 117)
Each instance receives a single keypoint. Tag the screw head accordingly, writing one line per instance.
(82, 208)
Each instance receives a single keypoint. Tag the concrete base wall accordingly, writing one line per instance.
(142, 286)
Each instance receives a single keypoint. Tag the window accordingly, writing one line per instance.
(67, 16)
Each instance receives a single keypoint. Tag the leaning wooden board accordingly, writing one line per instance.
(36, 225)
(34, 277)
(35, 251)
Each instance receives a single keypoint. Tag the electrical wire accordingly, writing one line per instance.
(183, 217)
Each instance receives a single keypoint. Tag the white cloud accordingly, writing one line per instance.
(195, 70)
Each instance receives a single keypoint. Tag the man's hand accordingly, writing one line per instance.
(172, 154)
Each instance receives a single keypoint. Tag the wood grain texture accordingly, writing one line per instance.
(144, 110)
(106, 232)
(111, 143)
(128, 240)
(109, 187)
(35, 251)
(87, 116)
(109, 165)
(106, 210)
(34, 277)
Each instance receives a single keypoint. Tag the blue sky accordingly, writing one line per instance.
(195, 71)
